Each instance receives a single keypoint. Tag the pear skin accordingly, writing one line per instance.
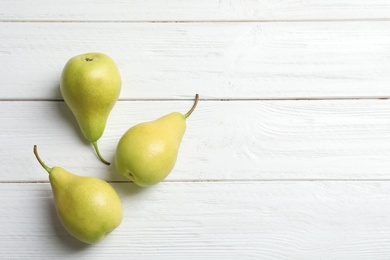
(147, 152)
(88, 208)
(90, 85)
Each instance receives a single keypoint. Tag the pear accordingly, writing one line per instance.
(90, 85)
(147, 152)
(89, 208)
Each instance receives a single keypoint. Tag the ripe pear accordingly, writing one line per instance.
(147, 152)
(90, 85)
(89, 208)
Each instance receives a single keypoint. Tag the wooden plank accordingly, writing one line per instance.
(219, 61)
(193, 10)
(236, 140)
(251, 220)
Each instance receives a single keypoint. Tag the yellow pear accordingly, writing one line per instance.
(89, 208)
(90, 85)
(147, 152)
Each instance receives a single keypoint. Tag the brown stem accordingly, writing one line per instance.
(193, 106)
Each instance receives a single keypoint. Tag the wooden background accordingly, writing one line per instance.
(287, 155)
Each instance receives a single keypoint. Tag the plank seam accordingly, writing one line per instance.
(197, 21)
(211, 99)
(225, 181)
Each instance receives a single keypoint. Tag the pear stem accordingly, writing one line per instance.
(98, 153)
(193, 106)
(48, 169)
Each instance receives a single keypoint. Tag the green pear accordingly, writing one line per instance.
(147, 152)
(90, 85)
(89, 208)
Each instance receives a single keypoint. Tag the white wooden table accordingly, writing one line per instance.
(287, 155)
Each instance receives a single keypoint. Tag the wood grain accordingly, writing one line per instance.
(251, 220)
(193, 10)
(174, 61)
(236, 140)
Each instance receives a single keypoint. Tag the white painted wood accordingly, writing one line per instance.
(192, 10)
(236, 140)
(217, 60)
(245, 220)
(255, 179)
